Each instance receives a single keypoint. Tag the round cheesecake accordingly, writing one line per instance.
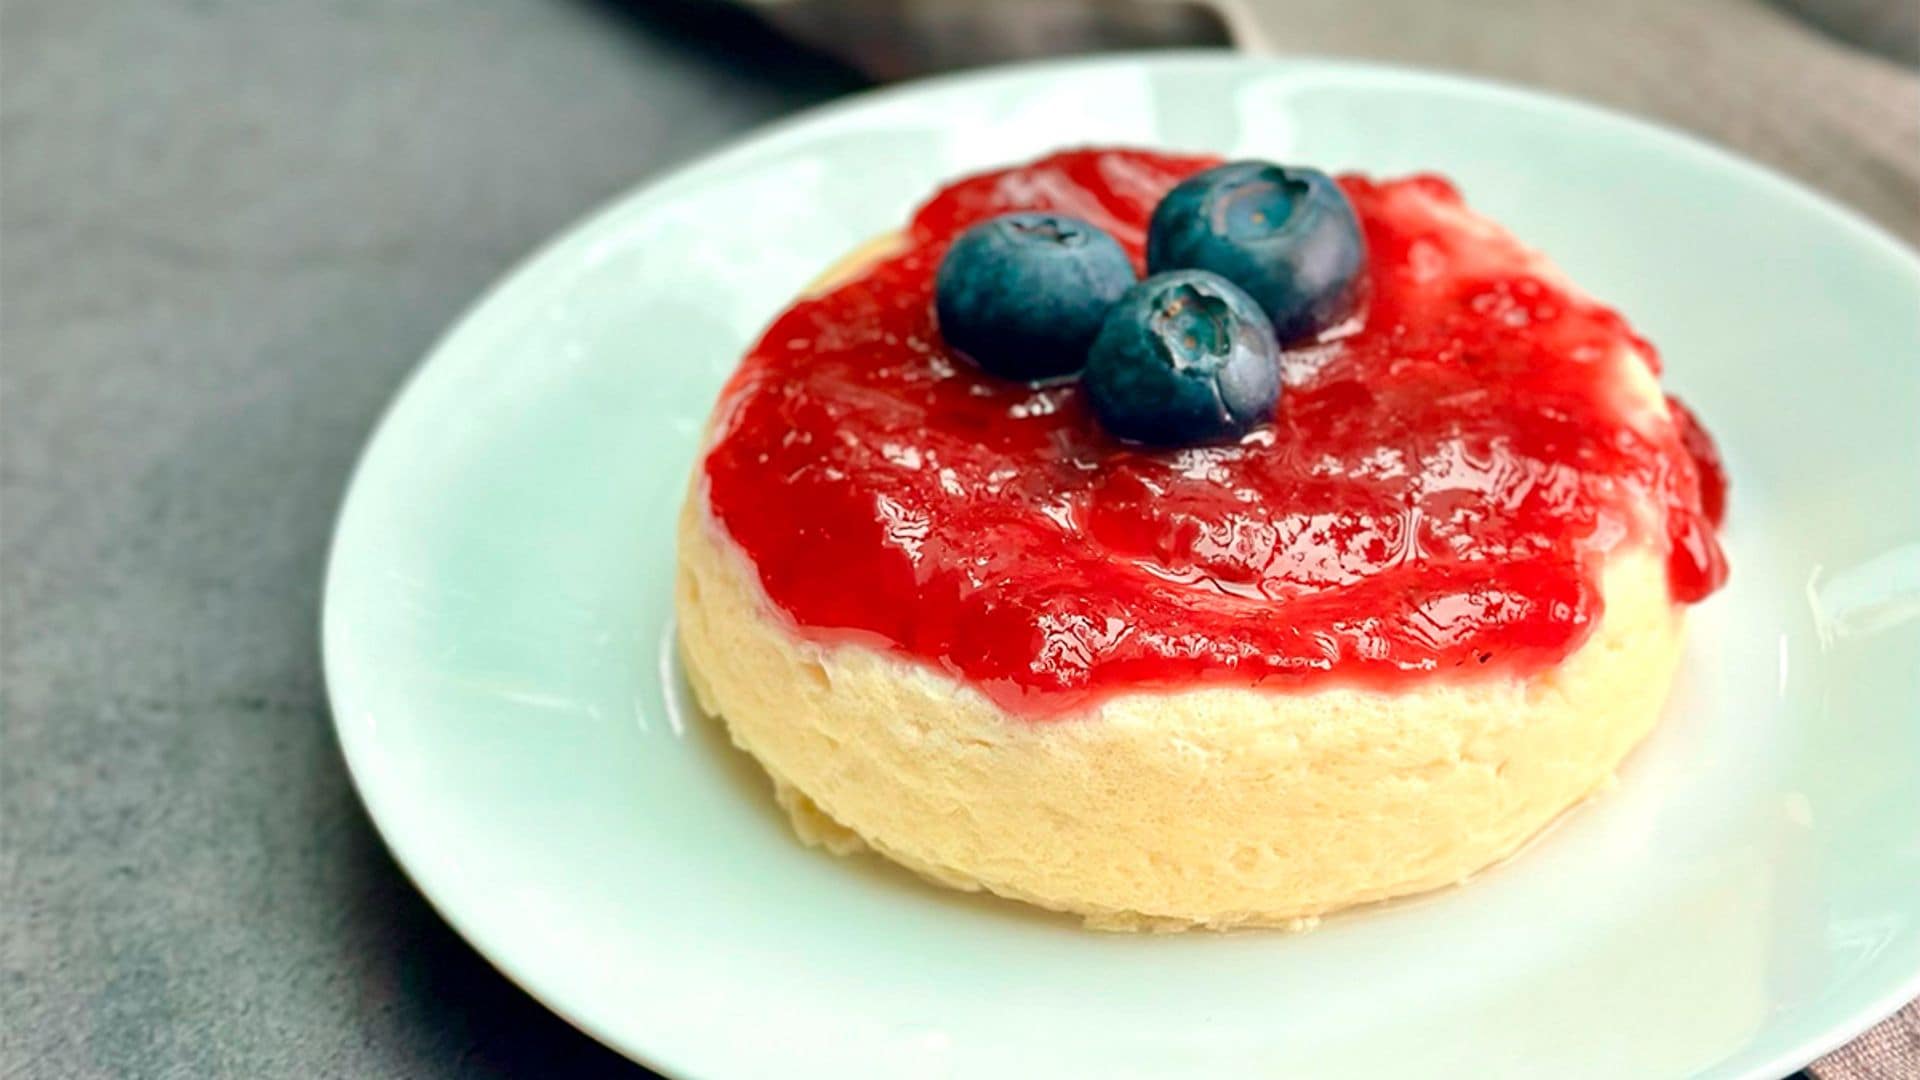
(1365, 650)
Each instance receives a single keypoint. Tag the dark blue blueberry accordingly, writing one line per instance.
(1023, 294)
(1183, 358)
(1288, 236)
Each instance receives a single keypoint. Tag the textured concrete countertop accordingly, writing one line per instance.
(227, 230)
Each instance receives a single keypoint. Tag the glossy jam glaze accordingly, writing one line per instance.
(1435, 497)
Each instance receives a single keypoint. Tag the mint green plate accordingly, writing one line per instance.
(499, 645)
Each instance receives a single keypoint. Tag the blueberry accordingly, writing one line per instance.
(1286, 235)
(1023, 294)
(1183, 358)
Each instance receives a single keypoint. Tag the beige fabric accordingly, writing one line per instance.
(1741, 73)
(1890, 1051)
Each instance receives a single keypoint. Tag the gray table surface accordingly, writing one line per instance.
(227, 230)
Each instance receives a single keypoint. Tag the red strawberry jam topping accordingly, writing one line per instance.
(1436, 495)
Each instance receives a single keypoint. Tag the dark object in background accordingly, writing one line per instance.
(1890, 28)
(897, 39)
